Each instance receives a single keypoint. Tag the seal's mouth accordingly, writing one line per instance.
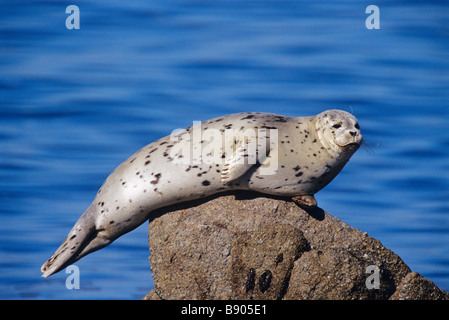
(355, 142)
(352, 146)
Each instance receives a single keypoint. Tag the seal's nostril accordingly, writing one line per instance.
(353, 133)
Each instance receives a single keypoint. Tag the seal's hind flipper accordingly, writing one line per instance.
(81, 240)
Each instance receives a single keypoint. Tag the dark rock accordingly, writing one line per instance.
(415, 287)
(269, 248)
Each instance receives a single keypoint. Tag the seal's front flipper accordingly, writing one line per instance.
(239, 162)
(305, 202)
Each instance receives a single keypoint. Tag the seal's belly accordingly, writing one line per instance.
(291, 182)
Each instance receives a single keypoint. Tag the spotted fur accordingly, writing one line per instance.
(310, 152)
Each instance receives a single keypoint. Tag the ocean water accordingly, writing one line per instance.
(76, 103)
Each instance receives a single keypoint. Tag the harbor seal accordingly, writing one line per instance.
(263, 152)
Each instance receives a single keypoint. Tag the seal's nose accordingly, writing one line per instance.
(353, 133)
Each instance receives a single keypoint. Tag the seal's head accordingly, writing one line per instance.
(338, 131)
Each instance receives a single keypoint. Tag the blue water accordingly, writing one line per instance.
(74, 104)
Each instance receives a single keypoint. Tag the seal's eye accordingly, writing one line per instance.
(336, 126)
(357, 126)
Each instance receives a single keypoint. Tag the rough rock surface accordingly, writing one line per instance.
(254, 247)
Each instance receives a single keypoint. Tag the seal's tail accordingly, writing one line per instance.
(81, 240)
